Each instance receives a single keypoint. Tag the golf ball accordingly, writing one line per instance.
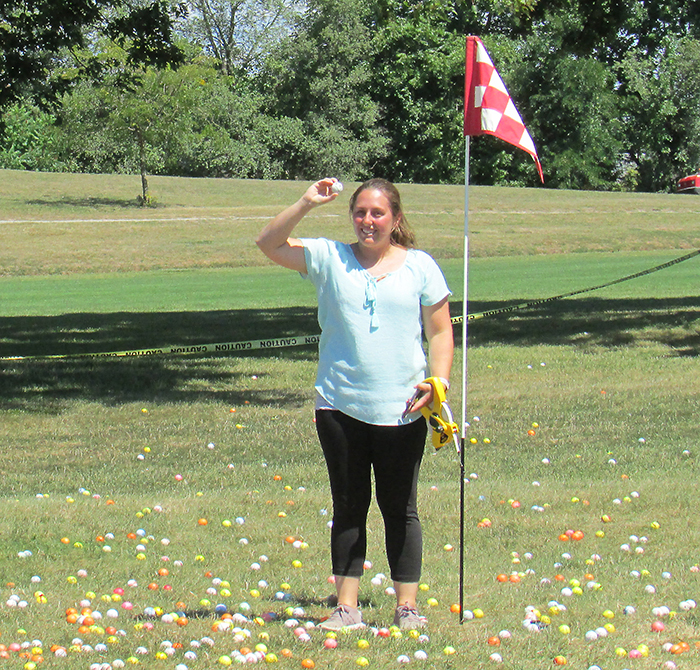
(337, 187)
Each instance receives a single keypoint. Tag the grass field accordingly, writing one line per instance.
(151, 489)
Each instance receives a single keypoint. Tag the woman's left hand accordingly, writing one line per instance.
(422, 397)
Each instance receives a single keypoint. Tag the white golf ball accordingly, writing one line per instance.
(337, 187)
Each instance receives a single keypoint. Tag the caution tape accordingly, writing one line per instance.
(302, 340)
(218, 348)
(542, 301)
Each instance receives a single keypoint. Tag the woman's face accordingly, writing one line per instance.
(373, 219)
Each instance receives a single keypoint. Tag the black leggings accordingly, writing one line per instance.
(352, 449)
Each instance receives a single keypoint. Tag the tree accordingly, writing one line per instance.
(193, 121)
(418, 81)
(584, 28)
(238, 33)
(570, 107)
(687, 91)
(229, 135)
(34, 36)
(651, 23)
(662, 105)
(131, 127)
(353, 88)
(320, 76)
(30, 139)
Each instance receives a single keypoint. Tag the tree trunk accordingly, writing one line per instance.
(144, 183)
(142, 165)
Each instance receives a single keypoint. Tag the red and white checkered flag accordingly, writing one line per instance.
(488, 108)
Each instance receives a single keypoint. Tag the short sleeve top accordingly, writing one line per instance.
(371, 350)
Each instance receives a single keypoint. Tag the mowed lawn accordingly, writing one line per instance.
(160, 495)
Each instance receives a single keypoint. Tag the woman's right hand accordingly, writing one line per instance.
(275, 239)
(320, 192)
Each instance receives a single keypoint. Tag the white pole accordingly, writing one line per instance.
(465, 321)
(465, 304)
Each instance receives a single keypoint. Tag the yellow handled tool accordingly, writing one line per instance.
(439, 416)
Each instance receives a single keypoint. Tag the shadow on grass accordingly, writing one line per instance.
(592, 322)
(88, 201)
(43, 384)
(47, 384)
(275, 608)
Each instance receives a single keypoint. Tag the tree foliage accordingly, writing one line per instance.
(321, 75)
(279, 89)
(663, 97)
(418, 82)
(193, 121)
(30, 139)
(35, 34)
(599, 85)
(238, 34)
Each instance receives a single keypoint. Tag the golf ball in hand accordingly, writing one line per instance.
(337, 187)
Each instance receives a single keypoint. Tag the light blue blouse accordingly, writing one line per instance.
(371, 350)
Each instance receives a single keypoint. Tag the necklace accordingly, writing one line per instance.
(391, 259)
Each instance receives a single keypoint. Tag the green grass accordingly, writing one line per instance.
(68, 224)
(502, 278)
(90, 448)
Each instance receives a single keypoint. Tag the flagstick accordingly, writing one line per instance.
(465, 321)
(484, 99)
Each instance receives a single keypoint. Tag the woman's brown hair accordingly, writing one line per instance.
(401, 235)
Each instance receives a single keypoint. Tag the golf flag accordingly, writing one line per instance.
(488, 108)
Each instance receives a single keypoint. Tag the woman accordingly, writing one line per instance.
(375, 296)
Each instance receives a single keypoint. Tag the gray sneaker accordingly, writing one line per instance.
(344, 617)
(407, 618)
